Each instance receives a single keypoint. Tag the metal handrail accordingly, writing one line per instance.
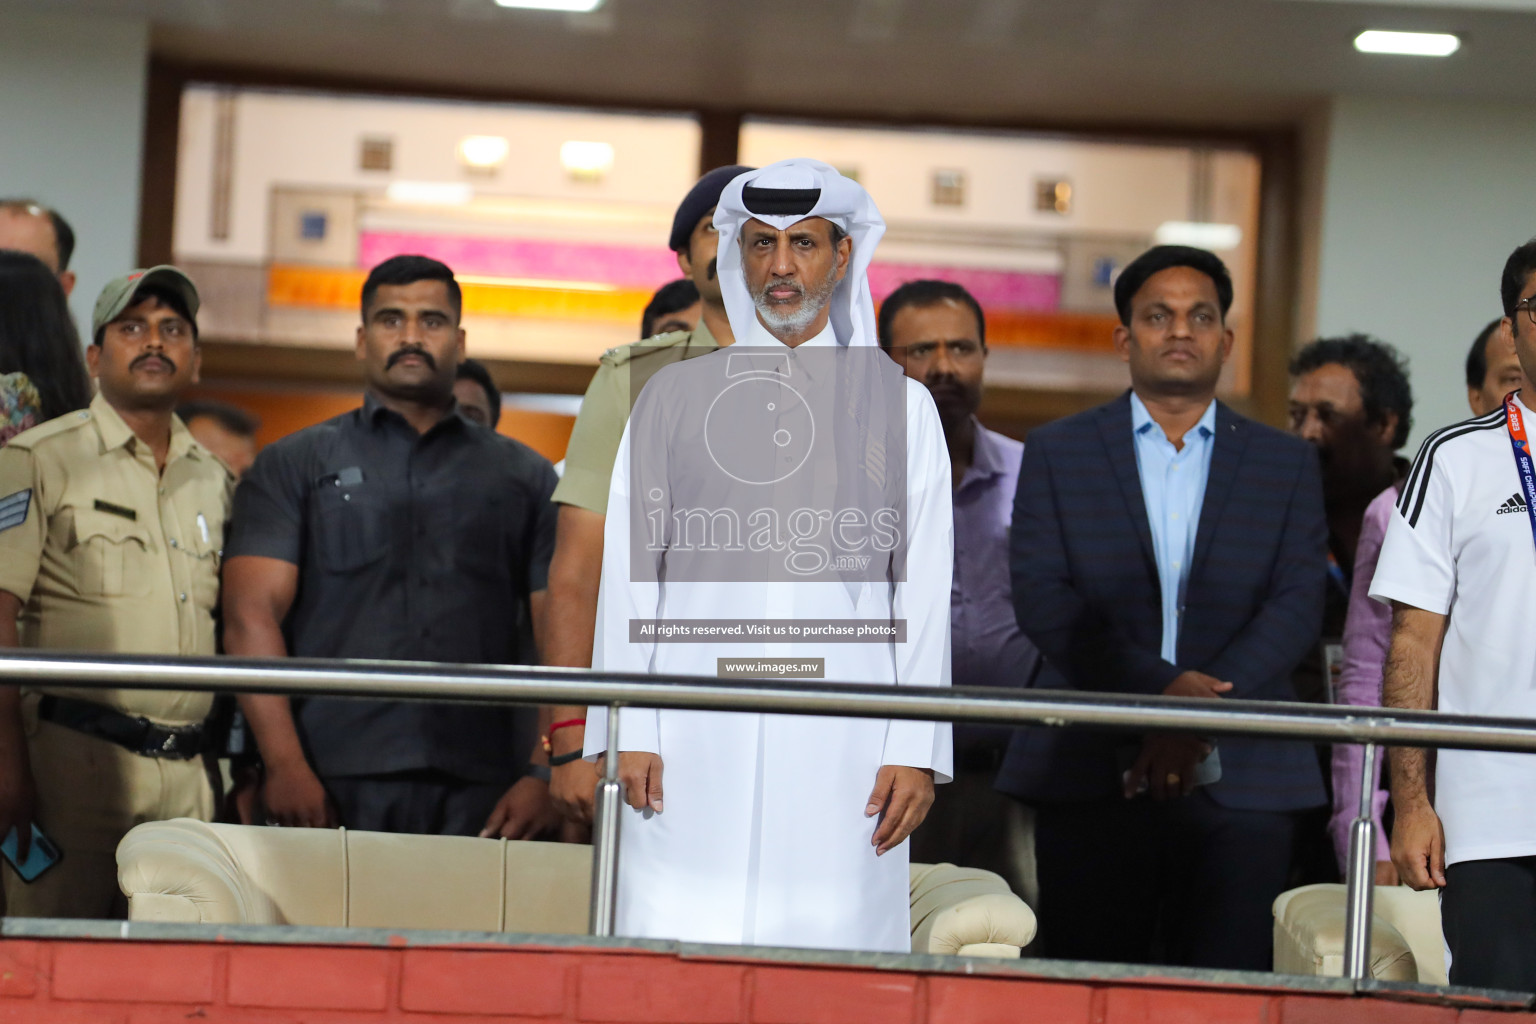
(405, 680)
(1062, 709)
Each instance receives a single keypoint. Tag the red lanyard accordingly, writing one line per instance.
(1522, 449)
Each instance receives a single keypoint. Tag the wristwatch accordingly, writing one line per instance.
(539, 771)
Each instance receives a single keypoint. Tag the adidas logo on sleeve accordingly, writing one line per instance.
(1514, 503)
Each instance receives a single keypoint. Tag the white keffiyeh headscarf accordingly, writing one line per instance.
(786, 193)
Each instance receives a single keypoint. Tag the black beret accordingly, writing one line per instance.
(699, 200)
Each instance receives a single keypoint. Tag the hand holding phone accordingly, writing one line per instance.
(42, 854)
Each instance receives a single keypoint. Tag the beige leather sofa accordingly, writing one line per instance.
(1406, 942)
(190, 871)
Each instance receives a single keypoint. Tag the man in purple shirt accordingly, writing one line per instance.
(1351, 399)
(937, 332)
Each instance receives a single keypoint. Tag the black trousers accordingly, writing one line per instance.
(1488, 914)
(1185, 882)
(423, 803)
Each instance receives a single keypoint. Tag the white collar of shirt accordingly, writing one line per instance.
(1142, 421)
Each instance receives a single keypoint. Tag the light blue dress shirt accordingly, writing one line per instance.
(1173, 487)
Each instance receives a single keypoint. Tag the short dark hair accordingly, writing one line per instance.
(399, 270)
(63, 234)
(1165, 257)
(231, 417)
(1379, 369)
(38, 336)
(473, 369)
(922, 294)
(669, 298)
(64, 237)
(1517, 270)
(167, 297)
(1477, 355)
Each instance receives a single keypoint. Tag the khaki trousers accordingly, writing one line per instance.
(89, 794)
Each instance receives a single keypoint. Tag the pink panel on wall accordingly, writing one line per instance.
(646, 268)
(996, 290)
(620, 265)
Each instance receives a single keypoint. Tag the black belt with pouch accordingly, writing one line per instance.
(132, 733)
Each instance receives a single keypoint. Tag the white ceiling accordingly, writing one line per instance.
(1211, 63)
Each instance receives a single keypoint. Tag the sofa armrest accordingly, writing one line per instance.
(967, 912)
(1416, 916)
(179, 870)
(1309, 937)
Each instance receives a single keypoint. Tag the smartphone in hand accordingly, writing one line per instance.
(42, 855)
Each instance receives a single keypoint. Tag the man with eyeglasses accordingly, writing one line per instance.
(111, 526)
(1459, 568)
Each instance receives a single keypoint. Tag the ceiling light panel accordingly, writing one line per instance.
(429, 193)
(1409, 44)
(569, 6)
(1474, 5)
(1201, 235)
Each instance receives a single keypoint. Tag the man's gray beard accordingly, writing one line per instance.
(781, 321)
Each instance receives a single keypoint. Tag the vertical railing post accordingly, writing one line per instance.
(605, 835)
(1362, 875)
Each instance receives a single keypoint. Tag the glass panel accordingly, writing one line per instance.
(1037, 228)
(555, 220)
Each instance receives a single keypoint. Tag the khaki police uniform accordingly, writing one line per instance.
(107, 553)
(621, 373)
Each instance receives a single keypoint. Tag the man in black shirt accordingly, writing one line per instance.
(401, 530)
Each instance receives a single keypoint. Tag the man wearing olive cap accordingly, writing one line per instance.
(111, 527)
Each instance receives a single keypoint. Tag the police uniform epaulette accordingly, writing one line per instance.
(29, 439)
(621, 354)
(197, 449)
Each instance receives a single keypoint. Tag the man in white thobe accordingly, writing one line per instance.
(796, 489)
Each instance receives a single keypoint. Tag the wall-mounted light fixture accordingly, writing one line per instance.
(1408, 44)
(429, 193)
(483, 152)
(1215, 237)
(586, 161)
(572, 6)
(947, 188)
(1053, 195)
(375, 153)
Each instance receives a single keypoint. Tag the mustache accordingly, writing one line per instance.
(762, 294)
(421, 353)
(146, 357)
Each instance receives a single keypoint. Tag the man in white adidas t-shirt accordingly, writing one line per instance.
(1459, 567)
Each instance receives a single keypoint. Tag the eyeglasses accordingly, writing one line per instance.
(1529, 305)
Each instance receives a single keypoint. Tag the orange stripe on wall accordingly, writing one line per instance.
(282, 412)
(1080, 332)
(341, 288)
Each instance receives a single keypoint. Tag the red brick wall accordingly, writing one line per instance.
(134, 982)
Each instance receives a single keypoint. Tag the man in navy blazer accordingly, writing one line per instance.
(1164, 544)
